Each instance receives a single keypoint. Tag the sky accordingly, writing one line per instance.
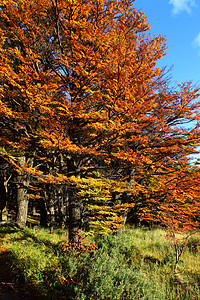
(179, 22)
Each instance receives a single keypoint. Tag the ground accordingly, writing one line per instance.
(9, 289)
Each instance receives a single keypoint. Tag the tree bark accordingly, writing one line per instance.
(52, 214)
(74, 204)
(74, 216)
(4, 179)
(43, 214)
(22, 182)
(3, 201)
(61, 212)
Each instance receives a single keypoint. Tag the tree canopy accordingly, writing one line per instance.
(89, 123)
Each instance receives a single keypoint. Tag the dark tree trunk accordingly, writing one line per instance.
(51, 215)
(43, 214)
(74, 216)
(50, 198)
(62, 212)
(3, 201)
(74, 203)
(62, 196)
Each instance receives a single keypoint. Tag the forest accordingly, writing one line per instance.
(94, 139)
(93, 133)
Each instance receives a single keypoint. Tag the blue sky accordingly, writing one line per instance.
(179, 22)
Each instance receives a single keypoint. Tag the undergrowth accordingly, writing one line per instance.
(138, 264)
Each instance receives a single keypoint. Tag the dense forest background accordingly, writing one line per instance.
(92, 131)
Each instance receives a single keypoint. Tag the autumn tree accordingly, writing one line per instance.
(85, 112)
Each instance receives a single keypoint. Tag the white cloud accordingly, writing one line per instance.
(196, 43)
(182, 5)
(197, 40)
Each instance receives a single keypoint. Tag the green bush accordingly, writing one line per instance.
(111, 272)
(138, 264)
(194, 245)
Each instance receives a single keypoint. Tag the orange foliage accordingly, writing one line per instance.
(79, 78)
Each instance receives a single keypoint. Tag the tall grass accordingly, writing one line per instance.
(138, 264)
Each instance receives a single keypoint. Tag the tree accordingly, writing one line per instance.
(85, 107)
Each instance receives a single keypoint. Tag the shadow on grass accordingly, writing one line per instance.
(8, 230)
(10, 270)
(25, 235)
(15, 286)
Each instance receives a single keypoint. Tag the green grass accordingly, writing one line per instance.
(138, 264)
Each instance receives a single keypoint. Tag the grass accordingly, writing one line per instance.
(138, 264)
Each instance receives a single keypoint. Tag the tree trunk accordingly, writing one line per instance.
(52, 215)
(4, 179)
(62, 212)
(3, 201)
(50, 197)
(22, 203)
(74, 204)
(22, 182)
(43, 214)
(124, 219)
(74, 216)
(62, 197)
